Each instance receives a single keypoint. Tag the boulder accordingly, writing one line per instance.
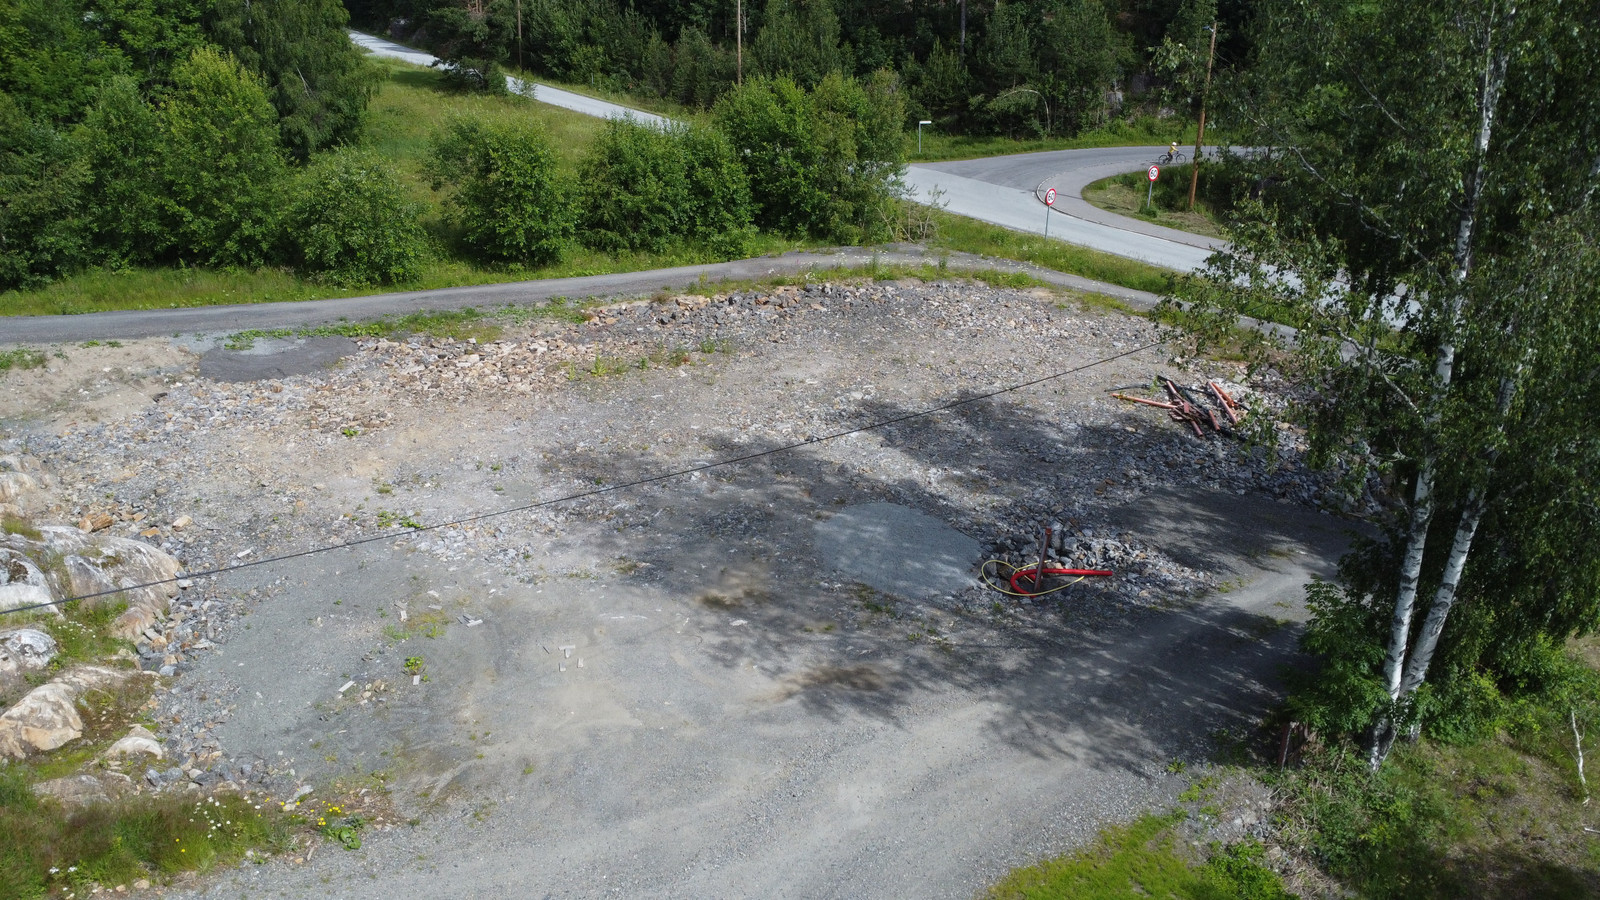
(22, 582)
(25, 650)
(138, 743)
(24, 485)
(44, 719)
(89, 564)
(81, 790)
(47, 716)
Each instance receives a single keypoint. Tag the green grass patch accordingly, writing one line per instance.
(959, 233)
(1142, 131)
(48, 850)
(1497, 817)
(1125, 194)
(1145, 860)
(21, 357)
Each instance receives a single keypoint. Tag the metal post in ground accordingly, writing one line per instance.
(1044, 554)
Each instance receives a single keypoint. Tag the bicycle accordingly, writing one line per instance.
(1167, 159)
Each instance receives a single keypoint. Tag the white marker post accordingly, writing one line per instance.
(1049, 201)
(1154, 172)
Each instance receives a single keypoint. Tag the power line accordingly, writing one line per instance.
(599, 491)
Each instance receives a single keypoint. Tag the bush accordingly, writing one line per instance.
(43, 232)
(648, 189)
(222, 166)
(822, 163)
(634, 186)
(509, 198)
(350, 223)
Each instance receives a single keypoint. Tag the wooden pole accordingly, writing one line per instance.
(738, 40)
(1200, 134)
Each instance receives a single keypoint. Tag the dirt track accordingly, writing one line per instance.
(745, 722)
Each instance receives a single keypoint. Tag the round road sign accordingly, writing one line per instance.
(1154, 173)
(1050, 197)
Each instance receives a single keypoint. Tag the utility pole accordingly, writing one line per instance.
(738, 40)
(1200, 134)
(519, 36)
(963, 29)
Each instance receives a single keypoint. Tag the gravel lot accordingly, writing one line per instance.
(731, 718)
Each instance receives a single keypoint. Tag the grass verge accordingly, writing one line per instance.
(1146, 860)
(1125, 195)
(1138, 132)
(959, 233)
(1499, 819)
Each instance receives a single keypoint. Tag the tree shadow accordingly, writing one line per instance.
(1090, 676)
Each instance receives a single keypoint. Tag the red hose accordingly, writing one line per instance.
(1050, 571)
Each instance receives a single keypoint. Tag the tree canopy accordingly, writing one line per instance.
(1428, 172)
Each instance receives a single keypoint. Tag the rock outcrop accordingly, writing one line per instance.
(47, 716)
(25, 650)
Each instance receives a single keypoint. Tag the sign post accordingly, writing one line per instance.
(1049, 201)
(1153, 173)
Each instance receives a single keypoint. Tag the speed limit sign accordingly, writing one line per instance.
(1050, 197)
(1154, 173)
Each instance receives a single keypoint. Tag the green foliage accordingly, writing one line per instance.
(121, 139)
(46, 849)
(222, 167)
(1345, 692)
(649, 189)
(472, 41)
(821, 163)
(1143, 860)
(350, 222)
(315, 77)
(798, 40)
(510, 199)
(43, 231)
(1443, 288)
(21, 358)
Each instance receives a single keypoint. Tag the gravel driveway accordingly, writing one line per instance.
(663, 691)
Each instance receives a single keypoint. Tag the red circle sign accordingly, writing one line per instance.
(1050, 197)
(1154, 173)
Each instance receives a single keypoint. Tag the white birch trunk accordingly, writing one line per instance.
(1383, 734)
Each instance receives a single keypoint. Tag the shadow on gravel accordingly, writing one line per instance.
(1089, 678)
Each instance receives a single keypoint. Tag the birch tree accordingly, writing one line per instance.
(1418, 161)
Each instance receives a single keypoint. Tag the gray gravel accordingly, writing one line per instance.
(731, 716)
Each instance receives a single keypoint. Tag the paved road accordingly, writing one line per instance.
(543, 93)
(998, 189)
(310, 313)
(1001, 190)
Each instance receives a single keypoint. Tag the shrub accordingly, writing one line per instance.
(649, 189)
(822, 163)
(222, 166)
(509, 198)
(42, 176)
(350, 223)
(634, 187)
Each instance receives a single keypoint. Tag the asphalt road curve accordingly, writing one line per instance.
(1002, 190)
(999, 189)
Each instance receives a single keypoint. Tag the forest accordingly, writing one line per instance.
(1020, 68)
